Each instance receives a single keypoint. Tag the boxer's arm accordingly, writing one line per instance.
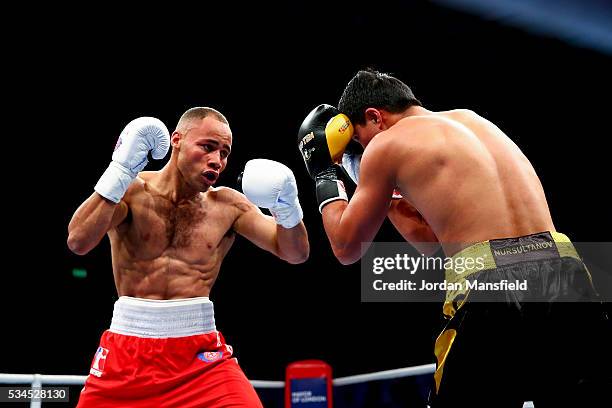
(92, 220)
(289, 244)
(404, 217)
(105, 209)
(348, 225)
(413, 227)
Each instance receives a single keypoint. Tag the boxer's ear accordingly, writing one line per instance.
(373, 115)
(175, 139)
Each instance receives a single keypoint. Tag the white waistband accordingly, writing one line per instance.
(163, 318)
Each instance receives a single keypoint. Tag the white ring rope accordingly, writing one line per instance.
(37, 380)
(42, 379)
(353, 379)
(386, 375)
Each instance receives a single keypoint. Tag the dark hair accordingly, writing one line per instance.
(373, 89)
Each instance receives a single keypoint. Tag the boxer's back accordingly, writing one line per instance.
(471, 182)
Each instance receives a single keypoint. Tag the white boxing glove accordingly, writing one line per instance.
(130, 156)
(351, 162)
(270, 184)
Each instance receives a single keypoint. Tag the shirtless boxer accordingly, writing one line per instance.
(169, 232)
(466, 185)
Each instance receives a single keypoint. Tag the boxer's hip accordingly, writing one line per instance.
(154, 346)
(542, 267)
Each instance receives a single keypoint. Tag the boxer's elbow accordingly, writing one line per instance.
(77, 247)
(346, 255)
(428, 249)
(295, 260)
(295, 254)
(346, 249)
(78, 244)
(300, 256)
(346, 260)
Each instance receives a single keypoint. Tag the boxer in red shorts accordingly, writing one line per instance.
(169, 232)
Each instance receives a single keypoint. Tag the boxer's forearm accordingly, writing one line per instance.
(90, 223)
(293, 243)
(346, 248)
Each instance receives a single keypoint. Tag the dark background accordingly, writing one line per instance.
(81, 75)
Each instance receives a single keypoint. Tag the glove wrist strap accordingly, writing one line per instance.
(114, 182)
(288, 215)
(329, 187)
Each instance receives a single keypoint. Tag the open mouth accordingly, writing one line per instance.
(211, 176)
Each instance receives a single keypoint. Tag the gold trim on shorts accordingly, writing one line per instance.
(482, 258)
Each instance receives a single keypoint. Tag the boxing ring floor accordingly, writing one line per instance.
(354, 391)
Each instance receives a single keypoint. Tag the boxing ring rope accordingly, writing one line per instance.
(37, 380)
(385, 375)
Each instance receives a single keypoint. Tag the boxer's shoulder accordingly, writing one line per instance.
(410, 141)
(460, 112)
(393, 141)
(422, 134)
(228, 197)
(145, 176)
(142, 185)
(143, 182)
(455, 119)
(223, 194)
(419, 124)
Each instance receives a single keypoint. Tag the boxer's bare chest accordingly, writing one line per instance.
(191, 230)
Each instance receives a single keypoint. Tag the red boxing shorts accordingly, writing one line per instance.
(165, 353)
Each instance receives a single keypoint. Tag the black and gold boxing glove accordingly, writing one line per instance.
(322, 138)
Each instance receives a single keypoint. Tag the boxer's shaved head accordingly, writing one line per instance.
(200, 112)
